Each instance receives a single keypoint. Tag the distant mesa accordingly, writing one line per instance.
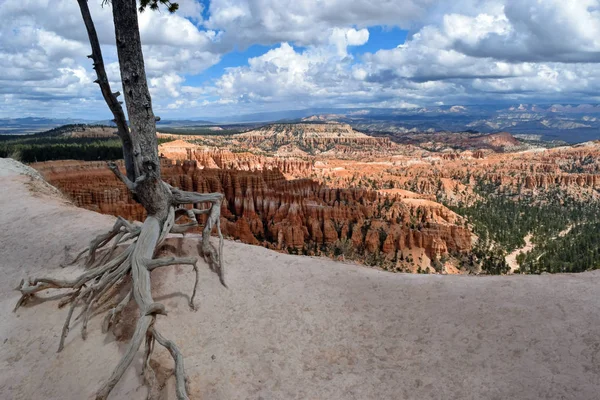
(299, 131)
(501, 140)
(312, 138)
(324, 117)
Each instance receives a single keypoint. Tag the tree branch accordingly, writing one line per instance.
(115, 169)
(111, 98)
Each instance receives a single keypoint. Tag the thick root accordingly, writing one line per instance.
(213, 256)
(180, 378)
(104, 279)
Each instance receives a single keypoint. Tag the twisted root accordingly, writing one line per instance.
(94, 291)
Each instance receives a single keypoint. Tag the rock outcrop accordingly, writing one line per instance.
(314, 138)
(452, 176)
(300, 216)
(327, 189)
(212, 157)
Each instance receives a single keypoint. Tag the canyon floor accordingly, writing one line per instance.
(293, 327)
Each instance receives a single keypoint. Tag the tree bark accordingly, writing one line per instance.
(109, 97)
(135, 86)
(151, 192)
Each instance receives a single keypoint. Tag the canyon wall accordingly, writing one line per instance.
(573, 171)
(213, 157)
(301, 216)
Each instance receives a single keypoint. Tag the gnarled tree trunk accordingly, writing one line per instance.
(135, 86)
(94, 289)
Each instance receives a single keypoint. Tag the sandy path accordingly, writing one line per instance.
(301, 328)
(511, 259)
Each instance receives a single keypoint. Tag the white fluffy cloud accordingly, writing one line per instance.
(43, 48)
(464, 51)
(342, 38)
(306, 22)
(288, 77)
(537, 49)
(533, 30)
(468, 51)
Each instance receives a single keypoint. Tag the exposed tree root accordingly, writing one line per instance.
(211, 255)
(100, 287)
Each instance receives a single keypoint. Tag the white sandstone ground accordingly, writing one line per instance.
(294, 327)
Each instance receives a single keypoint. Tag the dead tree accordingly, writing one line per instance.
(97, 288)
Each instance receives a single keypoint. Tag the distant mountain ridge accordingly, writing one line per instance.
(29, 125)
(566, 123)
(571, 123)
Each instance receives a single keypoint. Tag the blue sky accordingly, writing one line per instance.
(380, 37)
(229, 57)
(235, 58)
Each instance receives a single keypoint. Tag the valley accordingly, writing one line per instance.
(439, 203)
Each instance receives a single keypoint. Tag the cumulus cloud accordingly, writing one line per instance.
(288, 77)
(527, 49)
(292, 75)
(43, 48)
(342, 38)
(306, 22)
(464, 51)
(531, 30)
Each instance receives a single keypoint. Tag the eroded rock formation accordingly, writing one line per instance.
(212, 157)
(300, 216)
(314, 138)
(574, 170)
